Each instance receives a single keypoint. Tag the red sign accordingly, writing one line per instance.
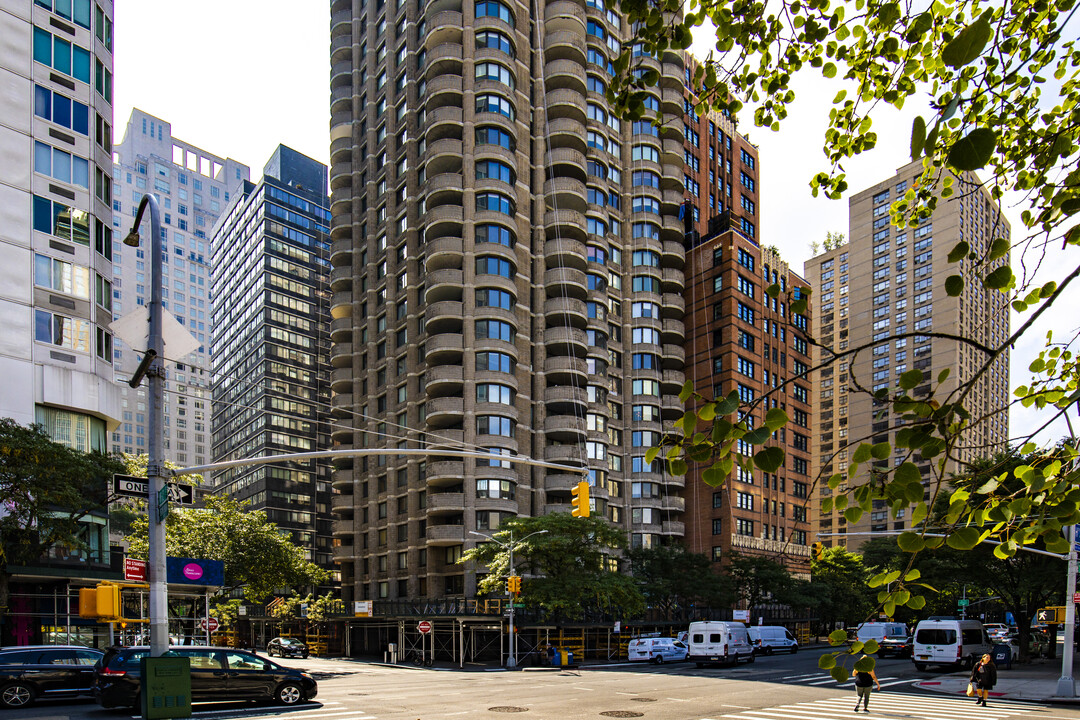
(424, 627)
(134, 570)
(1076, 598)
(210, 624)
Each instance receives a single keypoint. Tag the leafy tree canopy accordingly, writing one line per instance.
(567, 571)
(1002, 85)
(258, 556)
(45, 489)
(672, 579)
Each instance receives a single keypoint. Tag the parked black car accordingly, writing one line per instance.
(217, 674)
(45, 671)
(287, 647)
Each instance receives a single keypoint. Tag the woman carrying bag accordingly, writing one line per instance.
(983, 677)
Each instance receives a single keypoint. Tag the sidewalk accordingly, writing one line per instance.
(1035, 682)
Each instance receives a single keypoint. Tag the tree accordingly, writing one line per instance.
(841, 578)
(258, 556)
(671, 579)
(46, 488)
(758, 579)
(568, 571)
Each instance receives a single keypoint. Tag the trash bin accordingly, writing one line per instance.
(1002, 655)
(391, 653)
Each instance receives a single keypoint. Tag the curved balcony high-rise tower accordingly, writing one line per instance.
(507, 275)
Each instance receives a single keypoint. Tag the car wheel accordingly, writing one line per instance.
(659, 659)
(289, 694)
(794, 649)
(750, 658)
(305, 656)
(16, 695)
(921, 667)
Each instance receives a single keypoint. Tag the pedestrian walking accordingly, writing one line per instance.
(864, 684)
(984, 677)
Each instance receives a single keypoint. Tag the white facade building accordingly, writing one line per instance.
(193, 188)
(56, 228)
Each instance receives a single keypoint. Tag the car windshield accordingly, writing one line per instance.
(290, 641)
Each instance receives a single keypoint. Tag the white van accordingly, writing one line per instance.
(891, 637)
(715, 641)
(949, 641)
(768, 639)
(656, 649)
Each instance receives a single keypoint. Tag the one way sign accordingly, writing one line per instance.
(131, 486)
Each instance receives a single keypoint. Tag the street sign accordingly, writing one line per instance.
(424, 627)
(210, 623)
(963, 602)
(1076, 598)
(131, 486)
(134, 570)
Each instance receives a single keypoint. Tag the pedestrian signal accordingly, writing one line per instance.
(818, 549)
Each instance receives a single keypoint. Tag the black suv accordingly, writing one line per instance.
(286, 647)
(45, 671)
(217, 675)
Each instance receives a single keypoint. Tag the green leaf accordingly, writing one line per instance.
(998, 248)
(852, 514)
(912, 575)
(974, 150)
(650, 454)
(943, 375)
(689, 422)
(881, 451)
(687, 390)
(870, 647)
(910, 542)
(714, 476)
(864, 664)
(907, 473)
(910, 379)
(677, 467)
(776, 419)
(964, 538)
(959, 251)
(917, 602)
(839, 673)
(773, 290)
(999, 279)
(855, 647)
(918, 137)
(707, 412)
(969, 44)
(954, 285)
(828, 660)
(729, 404)
(769, 459)
(758, 436)
(837, 637)
(861, 454)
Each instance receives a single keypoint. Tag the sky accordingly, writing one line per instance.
(238, 77)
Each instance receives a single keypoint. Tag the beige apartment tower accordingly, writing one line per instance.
(877, 292)
(507, 276)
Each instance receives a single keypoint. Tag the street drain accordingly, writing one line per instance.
(622, 713)
(643, 699)
(507, 709)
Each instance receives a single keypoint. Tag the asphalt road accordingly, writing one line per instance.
(782, 687)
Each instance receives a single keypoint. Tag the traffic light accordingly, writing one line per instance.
(108, 601)
(88, 603)
(1052, 615)
(818, 549)
(580, 501)
(513, 584)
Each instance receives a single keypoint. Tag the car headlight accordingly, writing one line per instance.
(306, 676)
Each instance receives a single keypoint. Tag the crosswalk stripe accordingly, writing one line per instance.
(912, 706)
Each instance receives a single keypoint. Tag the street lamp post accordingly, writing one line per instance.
(511, 660)
(155, 467)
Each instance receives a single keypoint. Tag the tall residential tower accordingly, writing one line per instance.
(56, 235)
(877, 292)
(270, 348)
(507, 276)
(192, 187)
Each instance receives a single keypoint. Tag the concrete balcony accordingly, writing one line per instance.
(444, 380)
(567, 133)
(445, 472)
(564, 311)
(566, 104)
(445, 285)
(564, 15)
(565, 341)
(564, 253)
(444, 316)
(565, 74)
(341, 379)
(443, 412)
(565, 45)
(564, 370)
(444, 502)
(565, 428)
(565, 399)
(345, 553)
(445, 349)
(444, 253)
(565, 193)
(565, 282)
(445, 534)
(572, 455)
(341, 355)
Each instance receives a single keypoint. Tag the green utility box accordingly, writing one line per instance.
(165, 687)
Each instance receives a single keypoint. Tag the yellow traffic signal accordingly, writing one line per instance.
(580, 501)
(108, 601)
(513, 584)
(88, 603)
(1054, 615)
(818, 549)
